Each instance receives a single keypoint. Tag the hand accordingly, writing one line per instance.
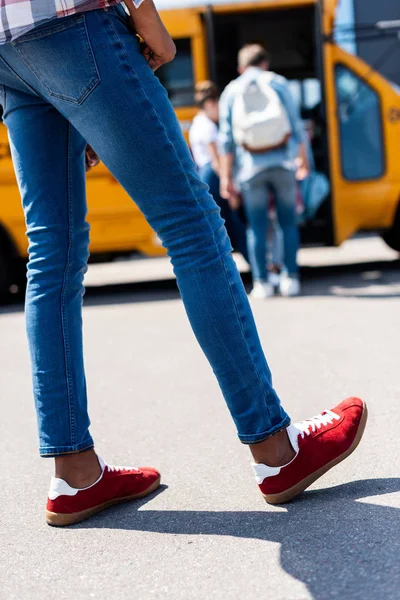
(159, 47)
(303, 171)
(92, 160)
(235, 201)
(164, 55)
(302, 163)
(230, 193)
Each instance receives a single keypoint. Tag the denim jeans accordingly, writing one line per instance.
(234, 225)
(256, 195)
(275, 243)
(82, 79)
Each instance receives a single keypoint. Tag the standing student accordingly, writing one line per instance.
(203, 137)
(262, 145)
(78, 76)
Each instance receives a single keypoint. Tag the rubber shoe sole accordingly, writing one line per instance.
(63, 519)
(297, 489)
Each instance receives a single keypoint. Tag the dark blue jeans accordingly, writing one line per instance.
(83, 79)
(256, 199)
(234, 225)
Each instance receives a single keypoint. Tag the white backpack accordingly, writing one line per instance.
(259, 118)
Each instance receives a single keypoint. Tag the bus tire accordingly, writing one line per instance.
(19, 270)
(392, 236)
(6, 264)
(12, 269)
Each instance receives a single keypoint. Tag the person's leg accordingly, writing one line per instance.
(48, 157)
(275, 242)
(120, 108)
(237, 232)
(284, 185)
(234, 225)
(255, 196)
(130, 122)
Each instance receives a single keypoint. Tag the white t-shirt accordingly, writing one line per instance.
(202, 133)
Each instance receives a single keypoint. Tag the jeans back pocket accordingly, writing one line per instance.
(61, 58)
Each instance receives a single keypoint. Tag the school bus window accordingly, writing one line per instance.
(360, 127)
(177, 76)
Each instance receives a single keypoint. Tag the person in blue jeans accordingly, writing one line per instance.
(203, 137)
(256, 173)
(79, 77)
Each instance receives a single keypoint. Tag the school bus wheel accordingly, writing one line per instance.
(12, 268)
(392, 235)
(5, 275)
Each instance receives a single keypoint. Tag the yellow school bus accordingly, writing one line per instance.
(354, 111)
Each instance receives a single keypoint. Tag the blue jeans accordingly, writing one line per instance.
(275, 243)
(234, 225)
(82, 79)
(256, 198)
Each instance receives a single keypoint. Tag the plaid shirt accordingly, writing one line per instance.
(20, 16)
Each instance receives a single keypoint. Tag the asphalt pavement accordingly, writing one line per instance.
(208, 534)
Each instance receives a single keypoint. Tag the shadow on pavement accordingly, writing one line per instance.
(379, 279)
(361, 280)
(336, 545)
(364, 280)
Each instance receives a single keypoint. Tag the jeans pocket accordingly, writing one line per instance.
(61, 58)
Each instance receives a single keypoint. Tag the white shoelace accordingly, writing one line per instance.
(120, 469)
(311, 425)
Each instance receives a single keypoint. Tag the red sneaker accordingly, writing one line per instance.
(320, 443)
(67, 505)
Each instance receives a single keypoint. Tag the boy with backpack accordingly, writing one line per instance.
(262, 146)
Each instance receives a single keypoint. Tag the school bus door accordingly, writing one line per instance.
(362, 138)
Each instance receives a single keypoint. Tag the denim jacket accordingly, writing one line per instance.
(247, 165)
